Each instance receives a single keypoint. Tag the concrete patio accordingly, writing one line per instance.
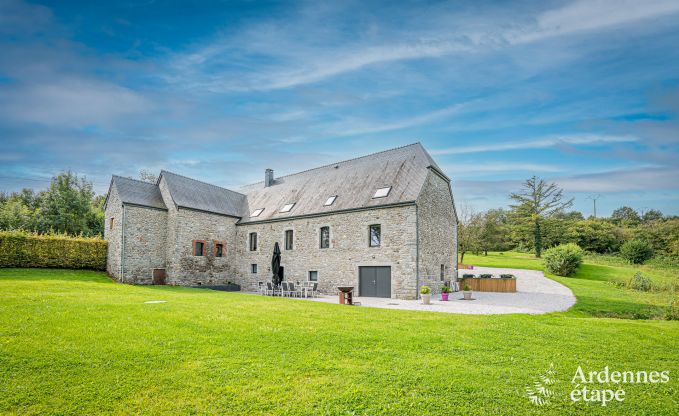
(535, 294)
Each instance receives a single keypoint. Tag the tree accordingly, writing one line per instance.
(147, 176)
(493, 232)
(536, 201)
(469, 230)
(652, 215)
(66, 206)
(625, 214)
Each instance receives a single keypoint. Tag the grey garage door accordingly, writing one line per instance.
(374, 281)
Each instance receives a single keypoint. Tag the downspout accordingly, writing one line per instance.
(417, 252)
(122, 251)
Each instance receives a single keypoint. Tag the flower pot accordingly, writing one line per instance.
(467, 295)
(444, 296)
(426, 299)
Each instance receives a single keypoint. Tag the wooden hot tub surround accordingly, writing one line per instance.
(494, 284)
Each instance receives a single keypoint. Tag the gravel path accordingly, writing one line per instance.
(535, 294)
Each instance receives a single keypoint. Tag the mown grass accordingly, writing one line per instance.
(73, 342)
(594, 285)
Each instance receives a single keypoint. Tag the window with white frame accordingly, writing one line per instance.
(330, 200)
(382, 192)
(256, 212)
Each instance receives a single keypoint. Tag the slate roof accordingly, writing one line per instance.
(190, 193)
(353, 181)
(132, 191)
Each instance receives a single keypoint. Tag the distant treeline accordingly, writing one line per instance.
(538, 219)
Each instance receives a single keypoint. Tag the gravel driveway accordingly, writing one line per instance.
(535, 294)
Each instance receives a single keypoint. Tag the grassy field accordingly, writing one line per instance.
(73, 342)
(594, 288)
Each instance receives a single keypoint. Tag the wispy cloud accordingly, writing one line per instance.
(542, 143)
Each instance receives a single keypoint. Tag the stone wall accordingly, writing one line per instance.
(113, 235)
(204, 270)
(145, 238)
(349, 249)
(171, 245)
(437, 229)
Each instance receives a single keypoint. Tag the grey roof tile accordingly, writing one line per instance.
(132, 191)
(191, 193)
(353, 181)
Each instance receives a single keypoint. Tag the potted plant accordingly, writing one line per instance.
(467, 292)
(445, 290)
(425, 291)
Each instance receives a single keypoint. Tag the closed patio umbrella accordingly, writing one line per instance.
(276, 264)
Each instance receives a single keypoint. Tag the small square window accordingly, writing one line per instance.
(253, 268)
(382, 192)
(256, 212)
(287, 207)
(330, 200)
(313, 276)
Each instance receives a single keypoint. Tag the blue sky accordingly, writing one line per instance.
(583, 93)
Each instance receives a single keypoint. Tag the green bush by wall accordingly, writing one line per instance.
(22, 249)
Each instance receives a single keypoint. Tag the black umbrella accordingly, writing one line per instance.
(276, 265)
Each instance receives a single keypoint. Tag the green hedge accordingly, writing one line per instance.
(22, 249)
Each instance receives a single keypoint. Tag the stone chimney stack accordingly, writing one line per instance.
(268, 177)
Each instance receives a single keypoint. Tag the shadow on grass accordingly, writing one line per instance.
(54, 274)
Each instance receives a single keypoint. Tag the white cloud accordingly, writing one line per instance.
(541, 143)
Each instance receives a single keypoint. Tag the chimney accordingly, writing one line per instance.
(268, 177)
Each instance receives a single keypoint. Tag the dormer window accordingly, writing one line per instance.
(256, 212)
(330, 201)
(287, 207)
(382, 192)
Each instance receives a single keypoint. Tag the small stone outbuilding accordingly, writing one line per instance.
(384, 223)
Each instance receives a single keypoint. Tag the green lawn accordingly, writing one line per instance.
(592, 285)
(73, 342)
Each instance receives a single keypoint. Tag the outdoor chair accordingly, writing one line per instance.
(261, 288)
(314, 290)
(285, 289)
(270, 290)
(292, 291)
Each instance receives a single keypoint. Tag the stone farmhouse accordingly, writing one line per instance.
(384, 223)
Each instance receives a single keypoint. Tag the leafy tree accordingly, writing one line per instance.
(625, 214)
(493, 230)
(536, 201)
(652, 215)
(469, 231)
(66, 207)
(596, 235)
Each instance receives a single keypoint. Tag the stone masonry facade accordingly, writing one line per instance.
(418, 241)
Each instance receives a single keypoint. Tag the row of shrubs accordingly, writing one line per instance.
(564, 259)
(23, 249)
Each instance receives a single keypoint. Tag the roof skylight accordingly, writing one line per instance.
(330, 200)
(256, 212)
(287, 207)
(382, 192)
